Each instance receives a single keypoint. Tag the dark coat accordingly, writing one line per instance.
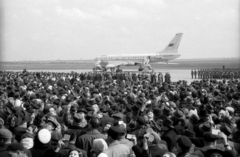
(170, 137)
(158, 150)
(85, 141)
(105, 120)
(4, 151)
(197, 130)
(77, 130)
(140, 152)
(42, 150)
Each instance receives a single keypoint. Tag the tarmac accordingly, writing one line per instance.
(178, 69)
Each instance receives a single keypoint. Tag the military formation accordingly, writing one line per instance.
(152, 77)
(215, 73)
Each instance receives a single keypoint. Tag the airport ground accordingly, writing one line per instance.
(179, 69)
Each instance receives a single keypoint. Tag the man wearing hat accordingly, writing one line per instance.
(169, 134)
(184, 145)
(85, 141)
(140, 125)
(198, 142)
(42, 146)
(68, 146)
(105, 117)
(210, 143)
(75, 116)
(116, 149)
(16, 150)
(78, 126)
(51, 124)
(5, 140)
(117, 117)
(167, 112)
(189, 102)
(122, 139)
(204, 117)
(177, 115)
(156, 146)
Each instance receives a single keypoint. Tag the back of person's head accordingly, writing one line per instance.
(115, 132)
(99, 145)
(43, 137)
(184, 143)
(95, 122)
(55, 137)
(16, 149)
(5, 136)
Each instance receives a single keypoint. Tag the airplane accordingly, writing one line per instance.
(142, 60)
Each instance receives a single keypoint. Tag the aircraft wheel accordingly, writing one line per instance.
(119, 70)
(140, 69)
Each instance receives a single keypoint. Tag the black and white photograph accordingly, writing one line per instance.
(120, 78)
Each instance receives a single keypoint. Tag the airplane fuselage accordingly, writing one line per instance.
(141, 60)
(132, 59)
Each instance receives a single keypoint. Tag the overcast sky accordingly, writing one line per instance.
(82, 29)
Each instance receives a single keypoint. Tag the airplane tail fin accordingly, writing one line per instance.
(174, 44)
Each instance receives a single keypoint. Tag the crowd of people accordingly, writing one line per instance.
(46, 114)
(215, 73)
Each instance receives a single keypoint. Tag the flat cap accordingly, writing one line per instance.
(5, 134)
(116, 131)
(184, 142)
(118, 115)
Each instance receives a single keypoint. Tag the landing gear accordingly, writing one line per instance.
(119, 70)
(104, 69)
(149, 67)
(112, 69)
(140, 69)
(98, 68)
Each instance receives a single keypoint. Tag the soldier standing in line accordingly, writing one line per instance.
(192, 73)
(207, 74)
(160, 78)
(201, 77)
(167, 78)
(195, 73)
(198, 73)
(231, 75)
(210, 73)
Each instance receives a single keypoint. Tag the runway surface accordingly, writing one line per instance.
(178, 69)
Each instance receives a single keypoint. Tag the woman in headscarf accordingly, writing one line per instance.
(99, 145)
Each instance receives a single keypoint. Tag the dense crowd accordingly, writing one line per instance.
(46, 114)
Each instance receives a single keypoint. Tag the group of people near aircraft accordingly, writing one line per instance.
(47, 114)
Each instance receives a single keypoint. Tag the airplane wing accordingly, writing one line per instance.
(113, 64)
